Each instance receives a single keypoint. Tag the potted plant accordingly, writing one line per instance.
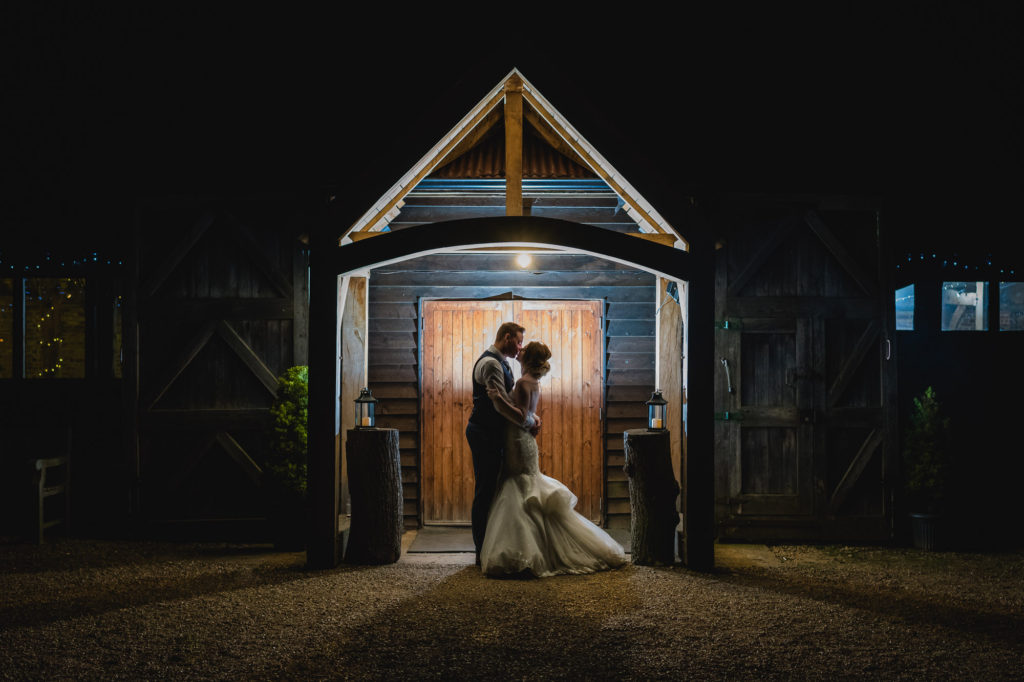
(284, 478)
(926, 458)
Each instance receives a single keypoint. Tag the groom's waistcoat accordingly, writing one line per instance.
(484, 413)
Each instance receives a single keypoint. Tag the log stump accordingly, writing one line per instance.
(652, 496)
(375, 488)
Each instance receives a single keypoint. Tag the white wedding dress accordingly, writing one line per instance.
(533, 525)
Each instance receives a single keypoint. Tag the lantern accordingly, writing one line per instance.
(365, 404)
(657, 412)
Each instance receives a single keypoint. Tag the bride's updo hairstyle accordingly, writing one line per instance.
(535, 358)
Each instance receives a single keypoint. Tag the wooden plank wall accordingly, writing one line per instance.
(629, 342)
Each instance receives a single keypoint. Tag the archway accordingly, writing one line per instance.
(331, 262)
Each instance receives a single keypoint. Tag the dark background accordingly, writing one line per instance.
(919, 105)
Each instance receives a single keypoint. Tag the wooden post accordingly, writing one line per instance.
(652, 496)
(375, 476)
(698, 550)
(669, 372)
(514, 146)
(324, 545)
(353, 310)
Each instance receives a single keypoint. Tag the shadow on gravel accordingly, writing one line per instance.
(893, 603)
(472, 627)
(189, 575)
(61, 554)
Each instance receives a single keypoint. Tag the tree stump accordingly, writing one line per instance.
(375, 488)
(652, 496)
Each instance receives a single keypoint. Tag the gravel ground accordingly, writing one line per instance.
(84, 609)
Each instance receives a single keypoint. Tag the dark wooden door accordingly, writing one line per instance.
(455, 333)
(220, 314)
(804, 431)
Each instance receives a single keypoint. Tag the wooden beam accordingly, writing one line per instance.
(174, 369)
(548, 134)
(856, 468)
(245, 239)
(594, 166)
(865, 281)
(240, 456)
(514, 146)
(200, 310)
(300, 305)
(353, 366)
(427, 168)
(853, 361)
(324, 546)
(474, 136)
(247, 355)
(175, 256)
(669, 372)
(657, 237)
(698, 550)
(755, 264)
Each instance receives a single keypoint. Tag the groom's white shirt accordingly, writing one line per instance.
(490, 373)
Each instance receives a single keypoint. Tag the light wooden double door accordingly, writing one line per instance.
(455, 334)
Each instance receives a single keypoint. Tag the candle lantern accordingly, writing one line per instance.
(657, 412)
(365, 405)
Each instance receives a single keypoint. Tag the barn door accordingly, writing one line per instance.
(455, 333)
(221, 307)
(803, 384)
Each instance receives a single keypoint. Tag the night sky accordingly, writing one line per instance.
(921, 106)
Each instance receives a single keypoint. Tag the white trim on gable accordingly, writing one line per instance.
(387, 207)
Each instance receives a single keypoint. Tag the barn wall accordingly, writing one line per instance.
(629, 297)
(974, 375)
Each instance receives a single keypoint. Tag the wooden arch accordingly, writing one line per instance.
(388, 247)
(329, 262)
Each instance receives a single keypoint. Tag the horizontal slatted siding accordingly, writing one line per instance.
(629, 342)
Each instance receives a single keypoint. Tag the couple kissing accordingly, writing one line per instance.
(524, 523)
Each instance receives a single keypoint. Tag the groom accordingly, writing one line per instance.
(486, 423)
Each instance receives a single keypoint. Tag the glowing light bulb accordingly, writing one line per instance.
(523, 260)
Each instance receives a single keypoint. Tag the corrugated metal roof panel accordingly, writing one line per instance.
(487, 160)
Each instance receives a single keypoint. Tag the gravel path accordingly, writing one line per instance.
(80, 609)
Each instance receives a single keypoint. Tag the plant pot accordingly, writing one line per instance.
(925, 531)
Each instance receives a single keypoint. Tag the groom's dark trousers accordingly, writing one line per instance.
(486, 446)
(484, 433)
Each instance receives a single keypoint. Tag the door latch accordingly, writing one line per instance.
(728, 379)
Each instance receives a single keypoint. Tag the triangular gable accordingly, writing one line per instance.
(550, 123)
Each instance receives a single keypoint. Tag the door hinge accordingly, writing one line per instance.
(728, 324)
(727, 416)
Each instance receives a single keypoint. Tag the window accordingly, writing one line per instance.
(6, 328)
(55, 327)
(905, 308)
(1011, 306)
(965, 306)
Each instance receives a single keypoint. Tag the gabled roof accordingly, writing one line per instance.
(547, 123)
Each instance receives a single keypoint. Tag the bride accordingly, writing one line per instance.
(533, 526)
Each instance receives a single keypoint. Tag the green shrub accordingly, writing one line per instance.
(288, 452)
(926, 453)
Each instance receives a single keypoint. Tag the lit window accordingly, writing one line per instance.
(6, 328)
(54, 328)
(905, 308)
(964, 306)
(1011, 306)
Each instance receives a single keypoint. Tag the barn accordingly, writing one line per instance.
(767, 320)
(796, 302)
